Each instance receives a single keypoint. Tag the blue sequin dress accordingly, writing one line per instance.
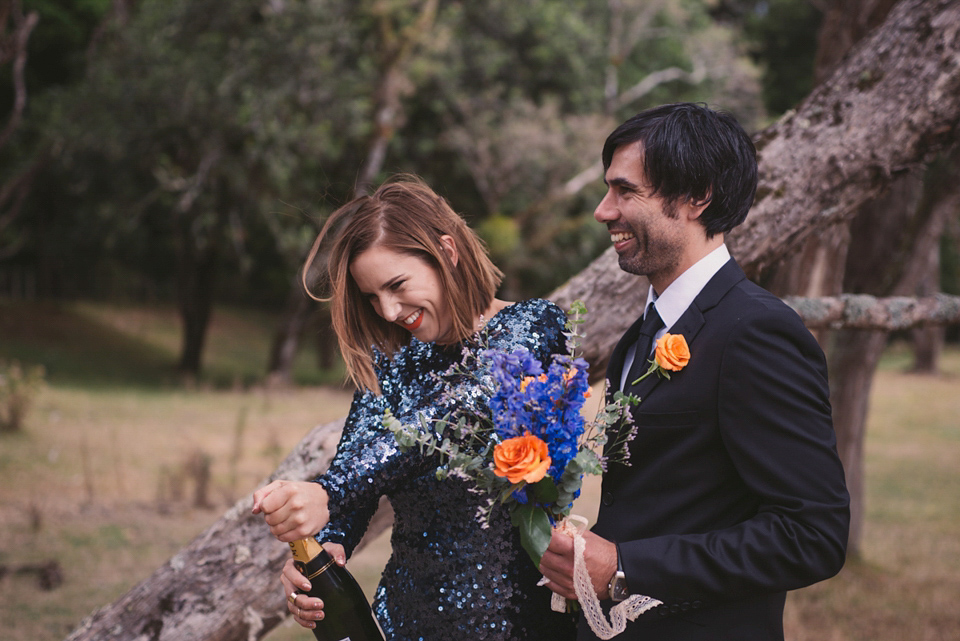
(447, 577)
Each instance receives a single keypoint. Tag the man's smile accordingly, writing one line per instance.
(620, 239)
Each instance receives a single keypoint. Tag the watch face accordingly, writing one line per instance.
(618, 587)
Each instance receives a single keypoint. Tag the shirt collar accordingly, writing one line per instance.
(678, 296)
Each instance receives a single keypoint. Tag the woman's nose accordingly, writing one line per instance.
(390, 308)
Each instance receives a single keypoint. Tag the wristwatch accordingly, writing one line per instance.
(618, 582)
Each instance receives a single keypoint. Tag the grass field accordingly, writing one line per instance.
(104, 477)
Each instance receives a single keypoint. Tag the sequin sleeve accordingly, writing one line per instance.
(368, 464)
(359, 472)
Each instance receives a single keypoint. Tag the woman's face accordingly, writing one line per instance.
(406, 290)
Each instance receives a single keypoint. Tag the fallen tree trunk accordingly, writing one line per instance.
(895, 100)
(225, 583)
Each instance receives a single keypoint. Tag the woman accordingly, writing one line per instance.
(403, 263)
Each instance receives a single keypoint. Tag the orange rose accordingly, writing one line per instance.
(529, 379)
(672, 352)
(568, 376)
(523, 458)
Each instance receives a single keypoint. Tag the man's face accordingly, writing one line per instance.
(648, 234)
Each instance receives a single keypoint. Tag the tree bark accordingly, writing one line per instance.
(821, 266)
(845, 22)
(892, 102)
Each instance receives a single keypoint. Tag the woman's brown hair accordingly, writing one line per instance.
(406, 216)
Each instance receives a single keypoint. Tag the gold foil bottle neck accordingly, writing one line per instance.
(305, 549)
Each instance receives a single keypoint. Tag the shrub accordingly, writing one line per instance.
(18, 388)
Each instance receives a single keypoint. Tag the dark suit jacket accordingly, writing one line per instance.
(735, 493)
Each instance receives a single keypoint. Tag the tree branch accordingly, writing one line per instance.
(657, 78)
(859, 311)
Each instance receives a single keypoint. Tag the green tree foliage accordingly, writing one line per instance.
(783, 34)
(206, 138)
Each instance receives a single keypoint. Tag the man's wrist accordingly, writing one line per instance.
(617, 586)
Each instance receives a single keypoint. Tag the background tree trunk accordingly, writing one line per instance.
(941, 181)
(845, 22)
(891, 241)
(895, 99)
(287, 337)
(853, 362)
(196, 275)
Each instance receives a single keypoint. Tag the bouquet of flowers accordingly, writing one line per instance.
(531, 449)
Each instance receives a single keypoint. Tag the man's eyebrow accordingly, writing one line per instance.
(621, 182)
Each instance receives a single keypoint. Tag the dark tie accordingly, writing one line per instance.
(652, 323)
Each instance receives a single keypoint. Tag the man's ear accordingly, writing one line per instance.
(697, 206)
(449, 246)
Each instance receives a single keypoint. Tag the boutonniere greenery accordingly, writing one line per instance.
(671, 355)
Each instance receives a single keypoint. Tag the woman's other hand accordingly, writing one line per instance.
(306, 610)
(293, 509)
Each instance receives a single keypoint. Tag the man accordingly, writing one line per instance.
(734, 493)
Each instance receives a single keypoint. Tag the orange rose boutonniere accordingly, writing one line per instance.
(671, 355)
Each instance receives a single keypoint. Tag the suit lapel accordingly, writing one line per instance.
(689, 324)
(615, 366)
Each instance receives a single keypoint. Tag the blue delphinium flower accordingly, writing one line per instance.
(546, 404)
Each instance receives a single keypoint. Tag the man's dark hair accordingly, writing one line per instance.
(693, 153)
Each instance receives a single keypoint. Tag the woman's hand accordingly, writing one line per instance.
(293, 509)
(306, 610)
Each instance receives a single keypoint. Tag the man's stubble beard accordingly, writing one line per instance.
(646, 261)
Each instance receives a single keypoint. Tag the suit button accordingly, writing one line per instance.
(684, 606)
(607, 498)
(663, 611)
(696, 605)
(674, 608)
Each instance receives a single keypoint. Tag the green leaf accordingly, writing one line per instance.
(535, 530)
(543, 491)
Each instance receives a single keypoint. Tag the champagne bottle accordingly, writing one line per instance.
(347, 615)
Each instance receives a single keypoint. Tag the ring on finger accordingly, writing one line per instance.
(292, 598)
(299, 612)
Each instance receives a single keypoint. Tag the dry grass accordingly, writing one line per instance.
(99, 480)
(907, 583)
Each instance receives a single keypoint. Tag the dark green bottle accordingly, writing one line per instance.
(347, 615)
